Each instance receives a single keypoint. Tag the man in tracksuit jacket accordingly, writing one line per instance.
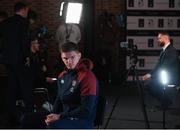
(75, 105)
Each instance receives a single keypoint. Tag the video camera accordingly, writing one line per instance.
(42, 31)
(129, 46)
(131, 51)
(42, 35)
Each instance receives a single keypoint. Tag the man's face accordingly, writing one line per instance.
(161, 40)
(71, 58)
(34, 46)
(25, 12)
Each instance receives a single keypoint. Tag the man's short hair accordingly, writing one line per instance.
(18, 6)
(69, 46)
(164, 33)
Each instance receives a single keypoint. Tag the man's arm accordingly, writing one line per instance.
(57, 106)
(88, 98)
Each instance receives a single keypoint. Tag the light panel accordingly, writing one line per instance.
(74, 11)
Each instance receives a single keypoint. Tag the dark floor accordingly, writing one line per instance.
(128, 111)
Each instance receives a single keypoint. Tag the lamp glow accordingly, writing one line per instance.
(73, 14)
(164, 77)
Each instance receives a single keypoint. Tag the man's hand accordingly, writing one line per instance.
(146, 77)
(44, 68)
(51, 118)
(27, 63)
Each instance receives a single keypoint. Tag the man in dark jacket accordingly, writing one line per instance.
(16, 52)
(168, 62)
(3, 16)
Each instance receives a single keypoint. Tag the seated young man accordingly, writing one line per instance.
(75, 104)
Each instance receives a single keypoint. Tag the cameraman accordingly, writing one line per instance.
(37, 65)
(16, 59)
(3, 17)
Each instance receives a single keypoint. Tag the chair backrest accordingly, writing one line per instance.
(42, 98)
(100, 111)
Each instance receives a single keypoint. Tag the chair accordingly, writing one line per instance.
(42, 99)
(100, 111)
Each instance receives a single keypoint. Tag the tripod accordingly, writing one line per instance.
(140, 88)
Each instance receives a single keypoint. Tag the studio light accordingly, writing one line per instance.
(164, 77)
(71, 11)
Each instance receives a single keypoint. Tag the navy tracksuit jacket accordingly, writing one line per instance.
(77, 97)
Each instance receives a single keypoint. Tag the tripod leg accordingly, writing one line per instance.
(141, 93)
(116, 101)
(164, 109)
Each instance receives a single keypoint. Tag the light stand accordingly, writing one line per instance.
(71, 13)
(143, 107)
(164, 80)
(164, 107)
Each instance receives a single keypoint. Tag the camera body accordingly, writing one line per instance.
(129, 46)
(131, 51)
(41, 34)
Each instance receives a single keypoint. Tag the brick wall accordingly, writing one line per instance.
(114, 6)
(47, 11)
(109, 34)
(48, 14)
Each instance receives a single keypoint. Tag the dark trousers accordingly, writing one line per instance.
(155, 89)
(70, 123)
(19, 86)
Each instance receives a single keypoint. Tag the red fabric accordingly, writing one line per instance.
(87, 83)
(62, 73)
(86, 78)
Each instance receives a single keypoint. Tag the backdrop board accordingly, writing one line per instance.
(153, 23)
(144, 19)
(153, 5)
(150, 42)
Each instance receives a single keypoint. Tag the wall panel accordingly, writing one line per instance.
(145, 18)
